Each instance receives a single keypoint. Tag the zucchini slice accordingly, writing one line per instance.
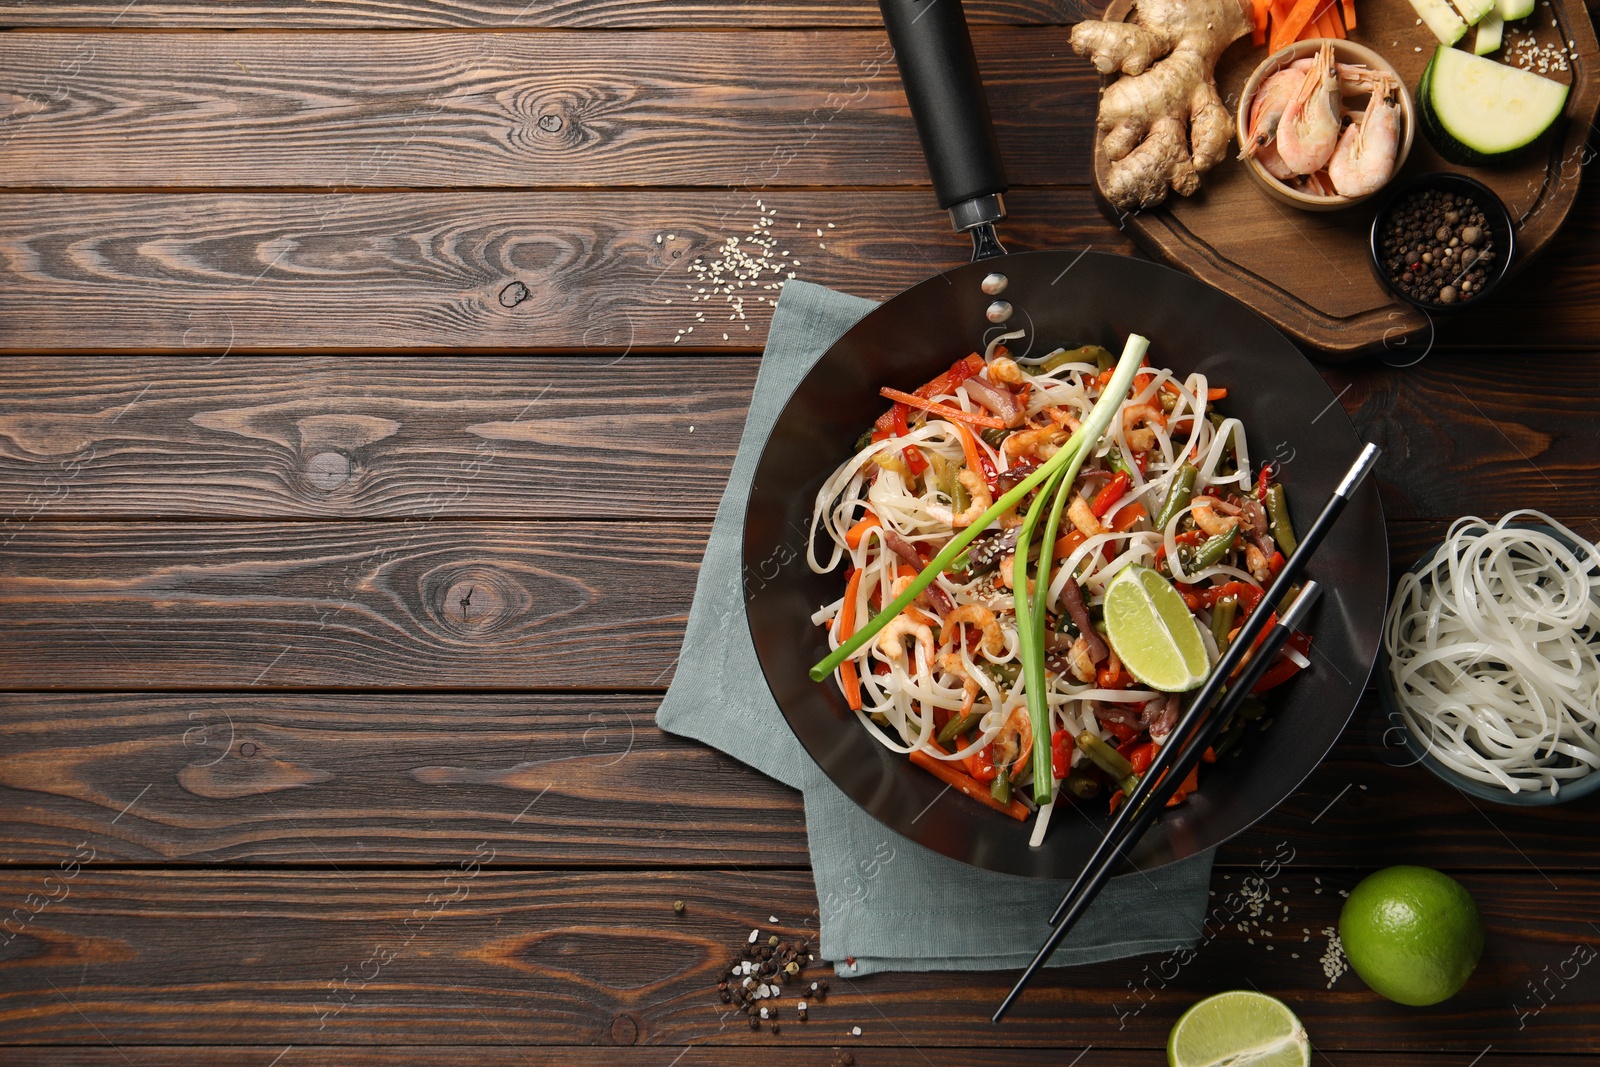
(1441, 18)
(1478, 111)
(1511, 10)
(1490, 33)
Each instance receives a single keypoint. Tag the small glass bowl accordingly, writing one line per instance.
(1500, 229)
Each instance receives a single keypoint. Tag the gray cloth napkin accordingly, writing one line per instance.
(889, 904)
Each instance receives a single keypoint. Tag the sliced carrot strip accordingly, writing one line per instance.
(848, 678)
(1349, 14)
(853, 536)
(1300, 15)
(988, 422)
(968, 785)
(1260, 13)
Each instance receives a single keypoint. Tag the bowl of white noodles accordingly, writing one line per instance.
(1491, 660)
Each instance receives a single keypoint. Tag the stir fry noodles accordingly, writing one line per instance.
(1168, 485)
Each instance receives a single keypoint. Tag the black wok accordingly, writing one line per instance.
(1060, 298)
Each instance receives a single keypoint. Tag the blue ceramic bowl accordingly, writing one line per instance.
(1419, 748)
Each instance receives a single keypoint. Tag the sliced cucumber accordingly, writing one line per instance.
(1473, 10)
(1441, 18)
(1491, 31)
(1511, 10)
(1477, 111)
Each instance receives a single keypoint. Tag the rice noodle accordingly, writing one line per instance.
(1492, 652)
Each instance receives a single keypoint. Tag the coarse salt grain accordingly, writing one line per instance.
(753, 933)
(855, 1031)
(772, 918)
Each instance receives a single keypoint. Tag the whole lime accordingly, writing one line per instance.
(1412, 934)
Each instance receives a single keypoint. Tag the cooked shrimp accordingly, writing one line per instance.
(1013, 745)
(1364, 158)
(981, 500)
(1005, 371)
(994, 642)
(1309, 129)
(951, 663)
(1039, 443)
(899, 586)
(1255, 562)
(1136, 420)
(1007, 574)
(1079, 660)
(1064, 419)
(1268, 157)
(891, 642)
(1083, 517)
(1206, 517)
(1267, 107)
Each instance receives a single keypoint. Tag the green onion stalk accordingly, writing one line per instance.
(1060, 470)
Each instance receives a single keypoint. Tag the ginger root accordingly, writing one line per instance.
(1163, 122)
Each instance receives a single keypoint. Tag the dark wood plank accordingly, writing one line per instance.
(180, 437)
(223, 273)
(505, 14)
(519, 109)
(505, 605)
(558, 781)
(466, 954)
(322, 779)
(516, 1055)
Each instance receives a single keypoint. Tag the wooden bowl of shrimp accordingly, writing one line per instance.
(1324, 124)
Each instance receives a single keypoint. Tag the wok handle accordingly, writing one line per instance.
(934, 52)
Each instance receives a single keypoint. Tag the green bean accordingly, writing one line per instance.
(1002, 673)
(956, 727)
(962, 500)
(1081, 785)
(1179, 495)
(1278, 519)
(994, 437)
(1222, 615)
(1102, 358)
(1211, 552)
(1230, 737)
(1252, 708)
(864, 440)
(1000, 788)
(1114, 457)
(1104, 756)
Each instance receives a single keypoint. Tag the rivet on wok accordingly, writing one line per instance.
(999, 311)
(994, 284)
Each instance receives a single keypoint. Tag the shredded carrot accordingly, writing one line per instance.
(1300, 15)
(969, 445)
(849, 680)
(853, 536)
(967, 784)
(1068, 544)
(988, 422)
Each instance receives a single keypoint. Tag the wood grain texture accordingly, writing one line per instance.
(422, 438)
(208, 274)
(865, 1051)
(535, 438)
(505, 14)
(600, 272)
(321, 779)
(479, 110)
(327, 779)
(506, 605)
(466, 954)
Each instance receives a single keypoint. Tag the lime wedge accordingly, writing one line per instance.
(1155, 636)
(1241, 1027)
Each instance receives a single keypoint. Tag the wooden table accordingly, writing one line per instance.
(356, 458)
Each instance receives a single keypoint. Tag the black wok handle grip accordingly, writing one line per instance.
(934, 52)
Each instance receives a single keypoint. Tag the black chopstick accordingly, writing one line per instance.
(1184, 745)
(1229, 662)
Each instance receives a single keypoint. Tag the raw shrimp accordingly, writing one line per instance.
(1364, 158)
(1309, 129)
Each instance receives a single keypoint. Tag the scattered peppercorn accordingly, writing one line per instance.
(754, 980)
(679, 907)
(1436, 247)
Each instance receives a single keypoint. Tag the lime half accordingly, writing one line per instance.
(1155, 635)
(1238, 1028)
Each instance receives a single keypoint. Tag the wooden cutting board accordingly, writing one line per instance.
(1309, 273)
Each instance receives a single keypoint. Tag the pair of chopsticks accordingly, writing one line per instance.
(1201, 723)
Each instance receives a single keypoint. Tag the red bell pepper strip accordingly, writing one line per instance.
(967, 784)
(1061, 747)
(946, 383)
(1285, 668)
(1110, 494)
(1121, 731)
(981, 764)
(1264, 482)
(914, 461)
